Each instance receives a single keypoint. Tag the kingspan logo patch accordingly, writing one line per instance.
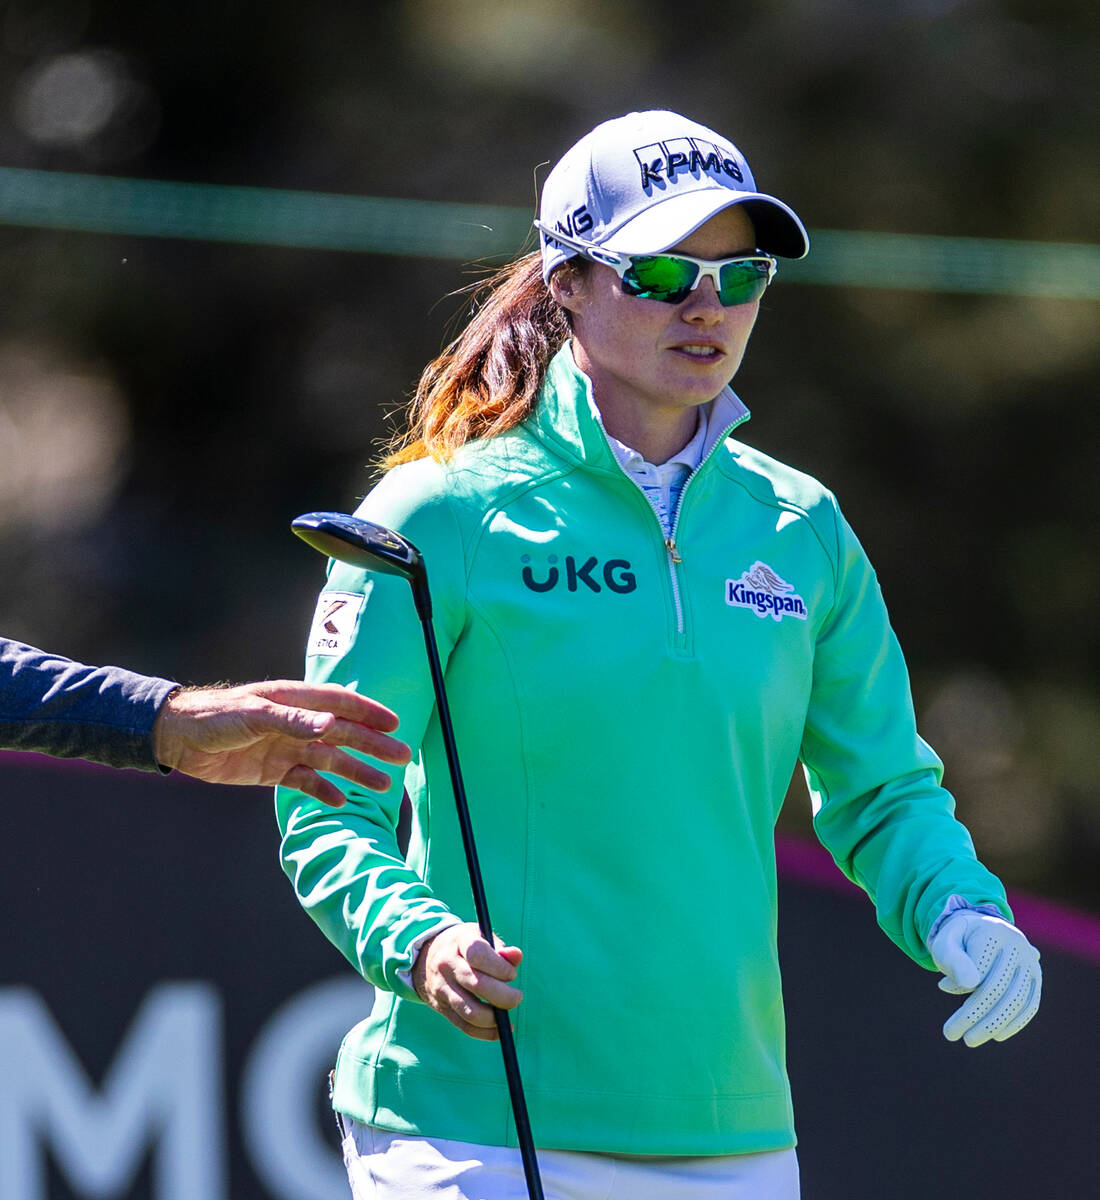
(762, 591)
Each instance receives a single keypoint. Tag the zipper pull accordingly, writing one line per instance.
(673, 553)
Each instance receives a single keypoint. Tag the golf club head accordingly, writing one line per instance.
(361, 543)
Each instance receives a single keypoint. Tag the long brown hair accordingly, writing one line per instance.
(487, 379)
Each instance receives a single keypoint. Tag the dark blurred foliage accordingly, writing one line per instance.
(166, 407)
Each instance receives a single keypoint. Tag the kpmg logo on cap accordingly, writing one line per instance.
(667, 162)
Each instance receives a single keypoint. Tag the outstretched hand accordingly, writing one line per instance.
(463, 978)
(278, 732)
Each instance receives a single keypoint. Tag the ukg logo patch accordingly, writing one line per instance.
(761, 591)
(662, 163)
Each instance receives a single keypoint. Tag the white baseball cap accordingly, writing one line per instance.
(640, 183)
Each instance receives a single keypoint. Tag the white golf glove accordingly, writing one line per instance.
(997, 965)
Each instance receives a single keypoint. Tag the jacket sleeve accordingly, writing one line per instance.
(344, 863)
(55, 706)
(875, 785)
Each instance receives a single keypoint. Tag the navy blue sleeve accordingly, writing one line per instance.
(55, 706)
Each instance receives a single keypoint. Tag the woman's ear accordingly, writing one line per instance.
(566, 286)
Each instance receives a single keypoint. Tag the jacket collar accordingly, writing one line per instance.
(564, 417)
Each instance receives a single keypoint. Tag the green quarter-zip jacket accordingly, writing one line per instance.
(628, 711)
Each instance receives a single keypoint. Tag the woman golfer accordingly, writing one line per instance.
(646, 625)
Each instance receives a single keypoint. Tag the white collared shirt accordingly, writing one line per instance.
(662, 483)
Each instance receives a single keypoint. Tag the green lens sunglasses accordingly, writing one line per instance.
(673, 277)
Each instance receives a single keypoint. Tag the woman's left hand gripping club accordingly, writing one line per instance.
(463, 978)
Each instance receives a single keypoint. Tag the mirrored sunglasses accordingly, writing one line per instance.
(671, 278)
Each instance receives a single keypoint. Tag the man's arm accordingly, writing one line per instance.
(55, 706)
(272, 732)
(278, 731)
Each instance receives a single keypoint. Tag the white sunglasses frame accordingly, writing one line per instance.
(620, 263)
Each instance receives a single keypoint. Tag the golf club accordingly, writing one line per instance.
(375, 548)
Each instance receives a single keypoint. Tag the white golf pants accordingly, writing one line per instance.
(393, 1166)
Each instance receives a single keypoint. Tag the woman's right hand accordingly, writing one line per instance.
(463, 978)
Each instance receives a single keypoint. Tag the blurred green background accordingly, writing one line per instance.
(167, 406)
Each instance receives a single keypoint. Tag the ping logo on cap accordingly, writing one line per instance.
(661, 162)
(574, 223)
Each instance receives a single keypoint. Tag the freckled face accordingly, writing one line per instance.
(658, 356)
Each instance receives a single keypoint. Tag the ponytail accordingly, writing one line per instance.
(487, 380)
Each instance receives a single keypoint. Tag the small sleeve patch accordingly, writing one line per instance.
(334, 623)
